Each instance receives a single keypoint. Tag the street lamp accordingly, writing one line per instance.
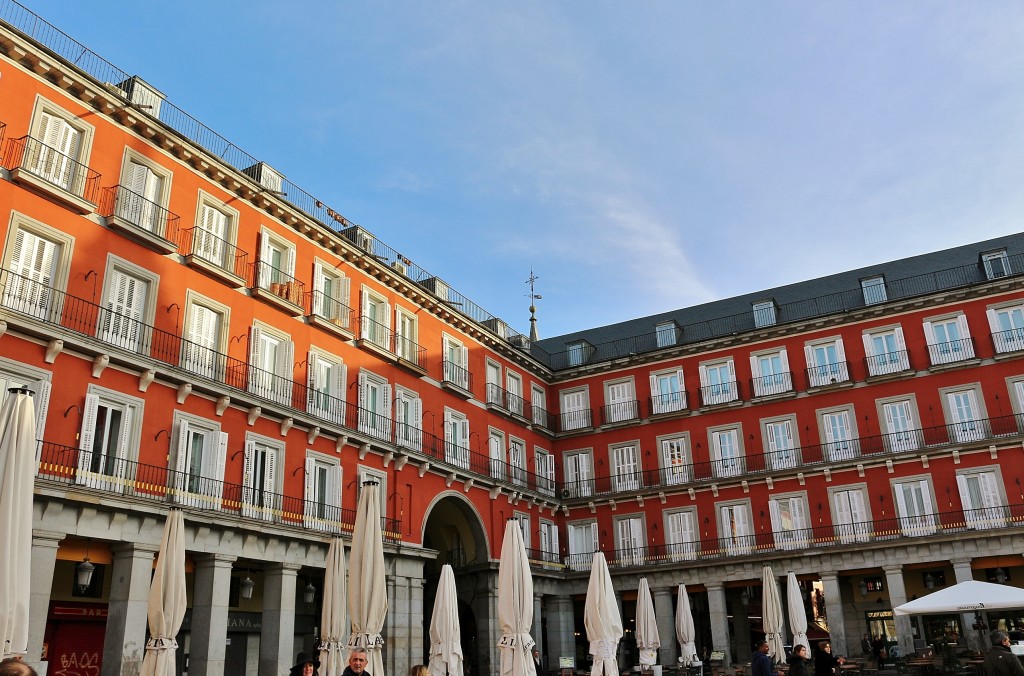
(83, 573)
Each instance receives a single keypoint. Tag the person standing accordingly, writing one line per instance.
(1000, 660)
(305, 665)
(866, 647)
(356, 664)
(761, 663)
(538, 662)
(825, 662)
(798, 661)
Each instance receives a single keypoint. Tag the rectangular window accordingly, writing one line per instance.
(514, 393)
(718, 382)
(32, 264)
(578, 475)
(667, 392)
(874, 290)
(781, 449)
(901, 434)
(260, 499)
(826, 363)
(456, 362)
(524, 527)
(408, 419)
(789, 522)
(764, 314)
(128, 303)
(538, 404)
(575, 410)
(770, 371)
(326, 386)
(199, 463)
(545, 468)
(625, 468)
(271, 356)
(983, 503)
(886, 352)
(914, 505)
(331, 295)
(728, 456)
(456, 438)
(57, 149)
(676, 466)
(375, 319)
(666, 334)
(630, 541)
(374, 406)
(620, 402)
(276, 269)
(142, 196)
(548, 542)
(582, 544)
(1007, 325)
(494, 390)
(966, 420)
(681, 538)
(576, 353)
(322, 504)
(496, 453)
(735, 529)
(850, 515)
(109, 440)
(949, 339)
(840, 443)
(407, 336)
(213, 235)
(997, 264)
(517, 461)
(15, 374)
(201, 351)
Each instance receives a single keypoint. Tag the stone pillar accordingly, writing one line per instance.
(561, 630)
(125, 642)
(277, 638)
(535, 630)
(44, 560)
(834, 613)
(620, 652)
(897, 597)
(404, 630)
(744, 643)
(209, 614)
(485, 608)
(963, 573)
(663, 611)
(719, 616)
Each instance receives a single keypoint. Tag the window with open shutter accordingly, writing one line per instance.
(675, 461)
(839, 443)
(850, 516)
(626, 468)
(630, 545)
(899, 426)
(781, 448)
(577, 475)
(914, 506)
(682, 535)
(734, 523)
(57, 158)
(30, 280)
(981, 499)
(727, 455)
(124, 308)
(789, 522)
(210, 237)
(200, 352)
(965, 416)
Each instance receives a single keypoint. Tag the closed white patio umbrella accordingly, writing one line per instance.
(17, 476)
(771, 614)
(515, 604)
(334, 616)
(602, 619)
(367, 591)
(797, 616)
(647, 638)
(167, 599)
(685, 632)
(445, 632)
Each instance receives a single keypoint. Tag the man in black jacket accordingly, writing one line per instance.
(357, 664)
(1000, 661)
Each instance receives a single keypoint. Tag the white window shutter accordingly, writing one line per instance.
(799, 512)
(464, 357)
(858, 507)
(339, 372)
(901, 503)
(841, 502)
(868, 350)
(840, 351)
(183, 450)
(217, 473)
(965, 493)
(900, 343)
(755, 367)
(255, 343)
(290, 260)
(732, 370)
(703, 370)
(42, 404)
(993, 320)
(345, 284)
(309, 495)
(929, 333)
(989, 489)
(269, 483)
(285, 368)
(364, 312)
(248, 479)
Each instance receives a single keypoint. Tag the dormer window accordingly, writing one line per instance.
(764, 313)
(667, 333)
(578, 352)
(874, 290)
(996, 264)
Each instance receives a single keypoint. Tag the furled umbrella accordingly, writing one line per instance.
(367, 591)
(334, 617)
(515, 604)
(647, 638)
(167, 600)
(771, 614)
(602, 620)
(797, 616)
(685, 632)
(17, 476)
(445, 645)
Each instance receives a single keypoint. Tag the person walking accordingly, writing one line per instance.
(1000, 660)
(825, 662)
(761, 663)
(798, 661)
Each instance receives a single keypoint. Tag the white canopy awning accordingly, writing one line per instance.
(966, 597)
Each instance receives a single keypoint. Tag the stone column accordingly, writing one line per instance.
(561, 630)
(209, 614)
(963, 573)
(125, 642)
(44, 560)
(897, 597)
(485, 608)
(535, 630)
(620, 652)
(277, 638)
(834, 612)
(719, 616)
(404, 626)
(669, 652)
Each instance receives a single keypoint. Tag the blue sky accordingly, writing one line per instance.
(640, 157)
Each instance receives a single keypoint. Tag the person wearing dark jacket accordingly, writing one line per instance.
(305, 665)
(760, 663)
(357, 660)
(825, 662)
(798, 661)
(1000, 661)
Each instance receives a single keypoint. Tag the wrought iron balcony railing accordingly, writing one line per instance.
(825, 375)
(375, 333)
(457, 376)
(277, 282)
(776, 383)
(886, 363)
(53, 167)
(506, 400)
(951, 352)
(542, 417)
(620, 412)
(569, 421)
(1011, 340)
(410, 352)
(197, 243)
(668, 403)
(146, 215)
(722, 393)
(330, 310)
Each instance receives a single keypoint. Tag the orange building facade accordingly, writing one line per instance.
(201, 333)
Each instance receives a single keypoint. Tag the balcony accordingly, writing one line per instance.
(140, 219)
(330, 313)
(542, 419)
(214, 256)
(376, 337)
(887, 363)
(720, 394)
(620, 413)
(1011, 340)
(576, 421)
(505, 401)
(772, 385)
(828, 375)
(671, 402)
(951, 352)
(456, 379)
(277, 287)
(64, 465)
(44, 169)
(410, 355)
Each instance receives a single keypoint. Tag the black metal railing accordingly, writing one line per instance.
(543, 556)
(776, 383)
(144, 214)
(668, 403)
(52, 166)
(330, 309)
(619, 412)
(454, 374)
(1011, 340)
(375, 333)
(278, 282)
(951, 351)
(569, 421)
(508, 401)
(410, 351)
(542, 417)
(722, 393)
(199, 243)
(887, 363)
(828, 374)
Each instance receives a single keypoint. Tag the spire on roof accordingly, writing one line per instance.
(533, 308)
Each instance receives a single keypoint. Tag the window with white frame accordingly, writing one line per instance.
(456, 438)
(456, 362)
(780, 446)
(764, 314)
(575, 409)
(496, 453)
(548, 541)
(261, 497)
(790, 526)
(915, 506)
(14, 374)
(964, 412)
(576, 353)
(523, 520)
(625, 464)
(826, 362)
(874, 290)
(514, 393)
(322, 504)
(727, 453)
(545, 467)
(582, 544)
(517, 460)
(331, 291)
(58, 147)
(406, 336)
(109, 440)
(902, 431)
(143, 194)
(629, 540)
(538, 404)
(494, 389)
(770, 373)
(202, 351)
(326, 383)
(276, 269)
(199, 462)
(735, 528)
(620, 401)
(676, 465)
(850, 516)
(681, 537)
(1007, 325)
(375, 319)
(838, 433)
(214, 234)
(982, 497)
(374, 406)
(408, 419)
(886, 351)
(271, 356)
(718, 382)
(996, 263)
(578, 474)
(949, 339)
(367, 474)
(667, 391)
(128, 306)
(666, 334)
(36, 260)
